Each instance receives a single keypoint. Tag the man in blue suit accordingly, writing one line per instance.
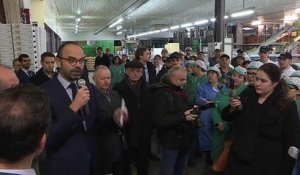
(72, 147)
(24, 74)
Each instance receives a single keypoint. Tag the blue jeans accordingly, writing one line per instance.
(173, 162)
(296, 170)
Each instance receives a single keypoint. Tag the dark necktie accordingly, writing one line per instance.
(82, 113)
(74, 90)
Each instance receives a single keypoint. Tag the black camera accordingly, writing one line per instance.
(197, 111)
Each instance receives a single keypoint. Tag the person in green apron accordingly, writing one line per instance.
(222, 129)
(199, 77)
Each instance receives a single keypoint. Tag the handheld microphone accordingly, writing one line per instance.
(234, 95)
(293, 152)
(85, 109)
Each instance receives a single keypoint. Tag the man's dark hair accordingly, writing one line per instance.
(20, 58)
(46, 54)
(200, 52)
(99, 48)
(139, 52)
(176, 55)
(15, 60)
(24, 119)
(61, 47)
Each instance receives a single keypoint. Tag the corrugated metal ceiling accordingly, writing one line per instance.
(150, 14)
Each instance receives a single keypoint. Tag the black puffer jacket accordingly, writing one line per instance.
(174, 131)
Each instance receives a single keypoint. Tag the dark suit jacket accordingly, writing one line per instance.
(132, 96)
(39, 78)
(70, 150)
(151, 72)
(104, 60)
(23, 77)
(110, 149)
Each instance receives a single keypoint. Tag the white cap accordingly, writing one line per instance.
(215, 69)
(255, 65)
(201, 64)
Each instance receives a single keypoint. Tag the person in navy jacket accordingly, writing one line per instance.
(73, 141)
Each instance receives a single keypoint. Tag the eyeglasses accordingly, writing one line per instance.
(73, 61)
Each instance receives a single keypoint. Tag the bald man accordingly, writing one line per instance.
(8, 78)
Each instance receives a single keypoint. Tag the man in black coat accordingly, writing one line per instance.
(101, 59)
(110, 149)
(46, 72)
(173, 119)
(130, 89)
(143, 55)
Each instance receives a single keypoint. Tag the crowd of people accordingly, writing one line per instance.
(184, 103)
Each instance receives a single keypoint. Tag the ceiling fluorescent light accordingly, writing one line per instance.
(226, 16)
(175, 27)
(164, 30)
(242, 13)
(116, 22)
(156, 31)
(119, 33)
(213, 19)
(201, 22)
(78, 19)
(186, 25)
(290, 18)
(297, 10)
(247, 28)
(256, 22)
(119, 27)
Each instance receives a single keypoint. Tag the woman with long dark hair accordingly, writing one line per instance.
(266, 126)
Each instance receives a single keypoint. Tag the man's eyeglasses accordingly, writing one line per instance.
(73, 61)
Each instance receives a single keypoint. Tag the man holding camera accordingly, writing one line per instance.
(174, 120)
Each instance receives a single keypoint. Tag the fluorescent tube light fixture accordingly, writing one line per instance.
(290, 18)
(247, 28)
(116, 22)
(175, 27)
(213, 19)
(119, 33)
(78, 19)
(256, 22)
(164, 30)
(242, 13)
(186, 25)
(201, 22)
(119, 27)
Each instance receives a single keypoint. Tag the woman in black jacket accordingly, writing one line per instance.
(266, 123)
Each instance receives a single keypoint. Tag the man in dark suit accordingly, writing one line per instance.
(46, 72)
(24, 74)
(102, 59)
(25, 119)
(77, 120)
(143, 55)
